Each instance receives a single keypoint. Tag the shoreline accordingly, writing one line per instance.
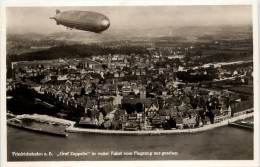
(72, 129)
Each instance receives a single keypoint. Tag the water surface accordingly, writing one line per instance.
(225, 143)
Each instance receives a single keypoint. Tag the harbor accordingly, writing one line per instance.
(39, 124)
(37, 130)
(243, 124)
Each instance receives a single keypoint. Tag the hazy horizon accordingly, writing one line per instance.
(36, 19)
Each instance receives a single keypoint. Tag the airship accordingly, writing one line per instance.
(82, 20)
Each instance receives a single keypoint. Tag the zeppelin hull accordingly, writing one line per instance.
(83, 20)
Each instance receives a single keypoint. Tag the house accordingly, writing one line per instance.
(235, 97)
(156, 120)
(119, 113)
(133, 101)
(189, 122)
(176, 56)
(206, 121)
(173, 111)
(161, 70)
(217, 115)
(175, 101)
(117, 99)
(223, 108)
(182, 110)
(165, 114)
(179, 122)
(107, 124)
(147, 61)
(132, 116)
(88, 122)
(133, 126)
(92, 113)
(116, 125)
(122, 74)
(126, 89)
(105, 101)
(143, 72)
(138, 72)
(107, 109)
(164, 92)
(240, 108)
(153, 109)
(116, 75)
(110, 116)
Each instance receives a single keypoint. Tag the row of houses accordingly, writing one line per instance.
(182, 117)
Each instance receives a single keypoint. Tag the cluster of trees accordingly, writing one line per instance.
(170, 62)
(78, 50)
(233, 67)
(131, 108)
(186, 77)
(227, 57)
(23, 102)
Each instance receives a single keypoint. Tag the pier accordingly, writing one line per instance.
(242, 124)
(20, 126)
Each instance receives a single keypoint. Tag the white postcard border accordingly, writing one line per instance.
(200, 163)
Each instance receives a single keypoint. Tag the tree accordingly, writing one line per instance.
(126, 69)
(211, 116)
(139, 107)
(129, 108)
(166, 126)
(104, 66)
(82, 92)
(108, 75)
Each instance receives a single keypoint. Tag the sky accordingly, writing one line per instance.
(36, 19)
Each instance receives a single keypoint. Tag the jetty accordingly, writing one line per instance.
(242, 124)
(19, 125)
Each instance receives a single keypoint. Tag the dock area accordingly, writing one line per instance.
(38, 130)
(41, 124)
(242, 124)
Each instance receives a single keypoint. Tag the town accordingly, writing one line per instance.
(161, 88)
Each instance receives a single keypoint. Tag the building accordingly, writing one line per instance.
(179, 122)
(240, 108)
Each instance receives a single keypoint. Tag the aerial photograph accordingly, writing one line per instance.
(129, 83)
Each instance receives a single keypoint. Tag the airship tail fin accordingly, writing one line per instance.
(57, 11)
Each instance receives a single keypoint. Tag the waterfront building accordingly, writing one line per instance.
(179, 122)
(240, 108)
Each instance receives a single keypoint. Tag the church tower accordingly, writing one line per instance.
(143, 93)
(109, 62)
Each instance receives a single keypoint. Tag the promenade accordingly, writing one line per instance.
(73, 129)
